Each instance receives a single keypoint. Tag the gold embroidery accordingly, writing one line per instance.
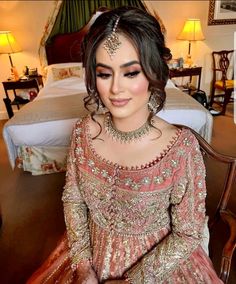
(134, 213)
(131, 211)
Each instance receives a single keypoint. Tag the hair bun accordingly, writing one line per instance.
(166, 55)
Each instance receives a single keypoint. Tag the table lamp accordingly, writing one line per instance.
(191, 31)
(8, 45)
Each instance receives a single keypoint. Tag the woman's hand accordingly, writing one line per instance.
(90, 279)
(86, 275)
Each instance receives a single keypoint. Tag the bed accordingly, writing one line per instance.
(38, 135)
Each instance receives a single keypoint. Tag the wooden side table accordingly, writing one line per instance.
(30, 83)
(187, 72)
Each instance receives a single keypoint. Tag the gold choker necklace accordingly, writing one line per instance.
(122, 136)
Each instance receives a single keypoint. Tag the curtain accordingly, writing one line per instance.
(71, 15)
(74, 14)
(47, 31)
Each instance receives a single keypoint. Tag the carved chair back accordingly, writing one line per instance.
(222, 79)
(220, 205)
(223, 63)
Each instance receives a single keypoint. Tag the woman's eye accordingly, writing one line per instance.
(132, 74)
(103, 75)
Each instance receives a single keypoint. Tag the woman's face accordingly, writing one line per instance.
(121, 83)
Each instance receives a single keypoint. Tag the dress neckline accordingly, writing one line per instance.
(156, 160)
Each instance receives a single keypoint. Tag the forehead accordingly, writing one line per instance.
(125, 53)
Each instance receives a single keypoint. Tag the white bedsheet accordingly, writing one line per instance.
(66, 87)
(179, 109)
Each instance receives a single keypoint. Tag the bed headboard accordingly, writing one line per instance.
(67, 47)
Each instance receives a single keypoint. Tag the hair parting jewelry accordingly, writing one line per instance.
(112, 42)
(122, 136)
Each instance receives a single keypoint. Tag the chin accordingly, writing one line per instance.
(119, 115)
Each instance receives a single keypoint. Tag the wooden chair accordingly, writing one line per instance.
(222, 79)
(217, 203)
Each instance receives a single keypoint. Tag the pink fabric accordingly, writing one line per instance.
(145, 223)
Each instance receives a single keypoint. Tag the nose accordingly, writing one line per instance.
(116, 85)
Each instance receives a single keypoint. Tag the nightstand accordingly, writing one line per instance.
(187, 72)
(30, 83)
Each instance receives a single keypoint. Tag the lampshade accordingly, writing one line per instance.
(191, 31)
(8, 43)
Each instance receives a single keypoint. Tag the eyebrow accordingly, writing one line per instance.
(122, 66)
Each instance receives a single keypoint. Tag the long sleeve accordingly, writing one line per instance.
(187, 210)
(75, 209)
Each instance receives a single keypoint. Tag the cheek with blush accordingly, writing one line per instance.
(102, 88)
(103, 91)
(140, 88)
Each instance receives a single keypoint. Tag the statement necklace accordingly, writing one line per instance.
(122, 136)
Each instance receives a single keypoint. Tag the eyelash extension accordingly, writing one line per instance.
(103, 75)
(107, 75)
(132, 74)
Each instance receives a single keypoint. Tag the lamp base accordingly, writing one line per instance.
(188, 61)
(14, 74)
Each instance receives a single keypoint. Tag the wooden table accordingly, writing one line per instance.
(187, 72)
(31, 83)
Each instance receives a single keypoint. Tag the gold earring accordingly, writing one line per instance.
(101, 108)
(152, 103)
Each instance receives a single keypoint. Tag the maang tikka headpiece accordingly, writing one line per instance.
(112, 42)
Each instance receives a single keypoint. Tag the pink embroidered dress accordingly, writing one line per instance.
(145, 222)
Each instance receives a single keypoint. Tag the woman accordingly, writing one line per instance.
(134, 198)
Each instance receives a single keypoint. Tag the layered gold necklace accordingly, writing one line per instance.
(123, 136)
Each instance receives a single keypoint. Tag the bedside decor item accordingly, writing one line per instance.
(176, 63)
(26, 71)
(8, 45)
(32, 72)
(191, 31)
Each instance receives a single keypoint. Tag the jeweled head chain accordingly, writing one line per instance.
(112, 42)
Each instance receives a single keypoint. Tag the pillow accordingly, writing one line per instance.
(49, 72)
(66, 72)
(170, 84)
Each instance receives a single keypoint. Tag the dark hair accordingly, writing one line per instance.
(144, 31)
